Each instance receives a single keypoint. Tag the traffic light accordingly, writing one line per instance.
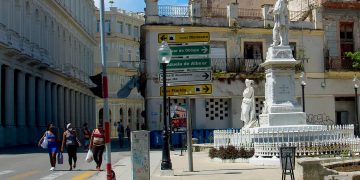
(98, 90)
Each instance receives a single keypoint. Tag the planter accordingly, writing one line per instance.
(238, 160)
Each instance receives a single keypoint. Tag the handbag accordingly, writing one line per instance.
(89, 156)
(44, 143)
(60, 158)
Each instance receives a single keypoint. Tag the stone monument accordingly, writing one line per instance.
(281, 105)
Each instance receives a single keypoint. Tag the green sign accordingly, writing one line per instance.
(188, 64)
(190, 50)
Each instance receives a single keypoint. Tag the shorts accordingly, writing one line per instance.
(52, 149)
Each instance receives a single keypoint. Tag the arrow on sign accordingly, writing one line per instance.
(206, 88)
(163, 37)
(206, 75)
(204, 49)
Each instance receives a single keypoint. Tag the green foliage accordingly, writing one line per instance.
(230, 152)
(355, 56)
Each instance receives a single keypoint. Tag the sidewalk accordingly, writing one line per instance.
(204, 168)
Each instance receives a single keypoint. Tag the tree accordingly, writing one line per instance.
(355, 56)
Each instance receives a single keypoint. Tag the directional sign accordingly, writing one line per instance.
(173, 77)
(190, 50)
(187, 90)
(184, 37)
(188, 64)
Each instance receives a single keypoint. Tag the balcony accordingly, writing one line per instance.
(173, 11)
(338, 64)
(341, 4)
(237, 65)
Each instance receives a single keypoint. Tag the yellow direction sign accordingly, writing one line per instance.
(187, 90)
(184, 37)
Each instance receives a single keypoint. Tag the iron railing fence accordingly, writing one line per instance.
(243, 12)
(213, 12)
(173, 11)
(338, 64)
(236, 65)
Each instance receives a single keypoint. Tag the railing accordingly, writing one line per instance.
(214, 12)
(236, 65)
(296, 15)
(338, 64)
(309, 140)
(250, 13)
(173, 11)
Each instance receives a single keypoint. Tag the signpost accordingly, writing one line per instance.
(176, 64)
(190, 50)
(187, 89)
(287, 160)
(174, 77)
(184, 37)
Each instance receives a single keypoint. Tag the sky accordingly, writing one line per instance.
(137, 5)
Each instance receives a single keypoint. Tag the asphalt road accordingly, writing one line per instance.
(32, 162)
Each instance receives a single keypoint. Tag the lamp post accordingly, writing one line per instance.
(356, 86)
(303, 84)
(164, 59)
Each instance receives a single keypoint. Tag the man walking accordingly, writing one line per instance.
(120, 131)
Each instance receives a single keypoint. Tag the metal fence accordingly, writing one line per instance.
(236, 65)
(338, 64)
(173, 11)
(250, 13)
(310, 140)
(214, 12)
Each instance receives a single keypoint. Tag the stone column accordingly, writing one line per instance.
(82, 109)
(77, 108)
(151, 11)
(61, 106)
(66, 105)
(54, 104)
(10, 130)
(41, 97)
(268, 19)
(21, 112)
(195, 11)
(232, 14)
(93, 109)
(72, 106)
(86, 109)
(31, 102)
(235, 114)
(48, 103)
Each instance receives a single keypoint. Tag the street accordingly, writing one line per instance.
(32, 162)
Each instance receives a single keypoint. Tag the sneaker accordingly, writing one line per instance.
(52, 168)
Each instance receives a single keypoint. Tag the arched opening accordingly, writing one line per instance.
(121, 112)
(130, 119)
(101, 115)
(138, 119)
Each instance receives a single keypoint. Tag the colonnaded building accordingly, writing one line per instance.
(239, 35)
(122, 38)
(46, 57)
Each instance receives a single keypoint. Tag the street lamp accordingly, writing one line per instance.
(356, 86)
(303, 84)
(164, 59)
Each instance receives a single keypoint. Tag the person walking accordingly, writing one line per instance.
(97, 145)
(52, 139)
(120, 131)
(72, 142)
(86, 134)
(128, 131)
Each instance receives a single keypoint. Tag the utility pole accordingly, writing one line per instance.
(105, 93)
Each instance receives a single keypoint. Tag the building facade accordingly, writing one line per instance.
(122, 38)
(46, 57)
(239, 39)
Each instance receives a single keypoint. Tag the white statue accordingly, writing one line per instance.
(281, 23)
(248, 105)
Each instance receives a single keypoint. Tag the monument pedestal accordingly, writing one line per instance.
(281, 107)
